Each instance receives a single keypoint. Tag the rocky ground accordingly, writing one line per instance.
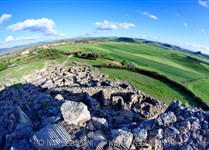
(78, 108)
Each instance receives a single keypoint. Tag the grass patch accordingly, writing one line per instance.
(173, 64)
(148, 85)
(200, 88)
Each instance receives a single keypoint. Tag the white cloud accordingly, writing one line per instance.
(90, 33)
(185, 24)
(25, 38)
(9, 39)
(150, 15)
(22, 38)
(44, 25)
(201, 31)
(5, 17)
(196, 47)
(106, 25)
(204, 3)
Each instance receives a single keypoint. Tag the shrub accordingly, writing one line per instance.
(107, 56)
(3, 65)
(16, 86)
(165, 79)
(124, 62)
(88, 55)
(50, 53)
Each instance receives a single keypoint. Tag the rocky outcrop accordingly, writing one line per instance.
(121, 139)
(75, 112)
(78, 108)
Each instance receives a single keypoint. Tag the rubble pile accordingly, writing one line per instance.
(78, 108)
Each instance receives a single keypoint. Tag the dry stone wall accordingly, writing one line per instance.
(78, 108)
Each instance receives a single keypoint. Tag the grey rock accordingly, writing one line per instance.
(37, 106)
(100, 123)
(59, 97)
(166, 118)
(158, 145)
(115, 121)
(160, 133)
(174, 106)
(196, 126)
(134, 98)
(97, 140)
(51, 120)
(184, 138)
(92, 102)
(201, 117)
(90, 126)
(116, 100)
(53, 111)
(207, 134)
(174, 130)
(122, 139)
(9, 139)
(185, 127)
(13, 119)
(122, 117)
(186, 147)
(75, 112)
(140, 135)
(206, 114)
(193, 119)
(133, 147)
(127, 114)
(21, 144)
(205, 125)
(23, 131)
(50, 137)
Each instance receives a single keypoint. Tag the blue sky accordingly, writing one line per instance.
(181, 22)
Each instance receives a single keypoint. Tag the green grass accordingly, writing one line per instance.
(147, 57)
(149, 86)
(16, 72)
(88, 61)
(205, 66)
(171, 63)
(200, 87)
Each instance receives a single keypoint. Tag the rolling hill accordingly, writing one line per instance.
(184, 68)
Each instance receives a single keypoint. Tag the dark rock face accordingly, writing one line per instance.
(45, 113)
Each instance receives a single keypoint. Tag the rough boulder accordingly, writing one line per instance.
(75, 112)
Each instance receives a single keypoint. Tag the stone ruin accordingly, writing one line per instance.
(76, 107)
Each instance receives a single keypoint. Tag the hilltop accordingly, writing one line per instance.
(158, 67)
(99, 93)
(77, 107)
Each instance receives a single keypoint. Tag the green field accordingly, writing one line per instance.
(148, 85)
(177, 65)
(171, 63)
(17, 71)
(199, 86)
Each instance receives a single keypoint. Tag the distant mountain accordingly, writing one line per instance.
(125, 39)
(16, 48)
(170, 46)
(199, 53)
(105, 39)
(3, 49)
